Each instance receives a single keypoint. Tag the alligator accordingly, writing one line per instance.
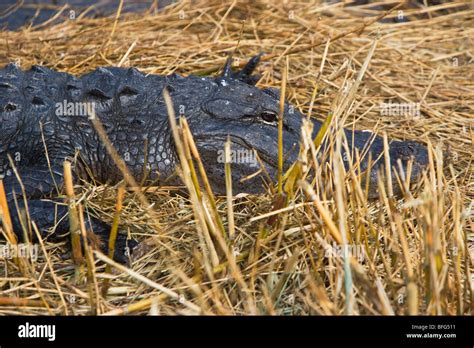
(43, 123)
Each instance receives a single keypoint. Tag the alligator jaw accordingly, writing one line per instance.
(211, 145)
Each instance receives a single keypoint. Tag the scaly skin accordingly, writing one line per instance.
(131, 108)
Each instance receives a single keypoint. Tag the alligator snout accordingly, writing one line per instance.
(406, 151)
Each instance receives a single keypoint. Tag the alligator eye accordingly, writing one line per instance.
(269, 117)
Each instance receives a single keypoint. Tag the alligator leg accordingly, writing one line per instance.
(47, 214)
(40, 183)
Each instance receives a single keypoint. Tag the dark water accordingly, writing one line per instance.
(15, 14)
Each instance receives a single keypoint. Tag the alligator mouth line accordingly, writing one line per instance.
(267, 158)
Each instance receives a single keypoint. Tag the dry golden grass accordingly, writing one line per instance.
(197, 256)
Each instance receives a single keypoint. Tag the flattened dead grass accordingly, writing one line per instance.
(418, 250)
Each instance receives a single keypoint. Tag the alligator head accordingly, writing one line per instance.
(11, 120)
(248, 116)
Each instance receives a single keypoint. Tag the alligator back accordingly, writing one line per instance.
(41, 108)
